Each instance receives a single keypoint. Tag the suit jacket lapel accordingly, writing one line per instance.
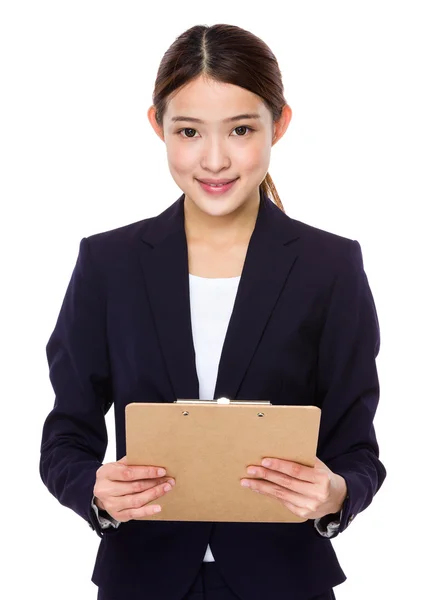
(164, 256)
(269, 260)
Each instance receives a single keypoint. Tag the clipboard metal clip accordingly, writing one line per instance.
(223, 401)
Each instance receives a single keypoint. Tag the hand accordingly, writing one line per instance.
(124, 491)
(308, 492)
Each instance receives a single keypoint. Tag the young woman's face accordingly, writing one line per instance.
(218, 146)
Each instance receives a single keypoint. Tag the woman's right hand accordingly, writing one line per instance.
(124, 491)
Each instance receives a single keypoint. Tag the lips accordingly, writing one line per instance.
(216, 181)
(217, 186)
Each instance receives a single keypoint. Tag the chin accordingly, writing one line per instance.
(217, 207)
(219, 211)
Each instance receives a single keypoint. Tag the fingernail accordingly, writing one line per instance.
(171, 481)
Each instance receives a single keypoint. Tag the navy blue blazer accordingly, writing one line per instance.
(303, 331)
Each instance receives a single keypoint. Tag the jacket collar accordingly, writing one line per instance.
(271, 221)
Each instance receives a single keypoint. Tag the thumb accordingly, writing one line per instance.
(319, 463)
(123, 460)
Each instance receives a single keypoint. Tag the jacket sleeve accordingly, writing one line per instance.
(74, 437)
(348, 386)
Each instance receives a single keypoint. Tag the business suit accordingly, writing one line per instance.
(303, 331)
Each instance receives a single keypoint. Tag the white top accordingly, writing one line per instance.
(211, 303)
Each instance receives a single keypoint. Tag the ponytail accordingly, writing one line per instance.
(268, 188)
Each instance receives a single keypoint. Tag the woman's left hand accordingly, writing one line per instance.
(308, 492)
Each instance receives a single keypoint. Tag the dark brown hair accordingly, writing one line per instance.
(228, 54)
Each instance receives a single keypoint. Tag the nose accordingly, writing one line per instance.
(215, 156)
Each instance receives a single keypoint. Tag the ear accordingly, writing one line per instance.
(151, 115)
(281, 125)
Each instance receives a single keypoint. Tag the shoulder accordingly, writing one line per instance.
(310, 239)
(320, 238)
(324, 249)
(119, 235)
(125, 238)
(118, 243)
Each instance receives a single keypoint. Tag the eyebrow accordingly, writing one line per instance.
(229, 120)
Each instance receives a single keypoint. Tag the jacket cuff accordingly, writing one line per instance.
(328, 526)
(105, 520)
(97, 520)
(355, 499)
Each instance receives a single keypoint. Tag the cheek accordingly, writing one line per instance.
(181, 159)
(257, 156)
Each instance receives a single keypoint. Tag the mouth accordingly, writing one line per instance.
(217, 188)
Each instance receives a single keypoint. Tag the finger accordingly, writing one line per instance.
(296, 510)
(124, 461)
(275, 491)
(121, 488)
(320, 464)
(138, 513)
(291, 483)
(135, 505)
(291, 468)
(122, 472)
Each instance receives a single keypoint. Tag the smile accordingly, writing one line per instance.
(217, 188)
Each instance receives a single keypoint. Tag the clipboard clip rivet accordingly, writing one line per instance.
(260, 414)
(185, 413)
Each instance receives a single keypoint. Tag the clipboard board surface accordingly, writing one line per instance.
(206, 447)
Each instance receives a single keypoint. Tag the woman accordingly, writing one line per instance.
(222, 294)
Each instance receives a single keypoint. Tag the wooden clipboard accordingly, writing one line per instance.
(206, 447)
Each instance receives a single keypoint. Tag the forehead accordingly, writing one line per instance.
(211, 100)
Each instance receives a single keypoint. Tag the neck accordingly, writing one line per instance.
(224, 230)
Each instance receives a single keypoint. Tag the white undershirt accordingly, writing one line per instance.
(211, 302)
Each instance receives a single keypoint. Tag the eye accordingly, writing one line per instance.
(242, 127)
(188, 130)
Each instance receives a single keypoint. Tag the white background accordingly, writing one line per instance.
(78, 156)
